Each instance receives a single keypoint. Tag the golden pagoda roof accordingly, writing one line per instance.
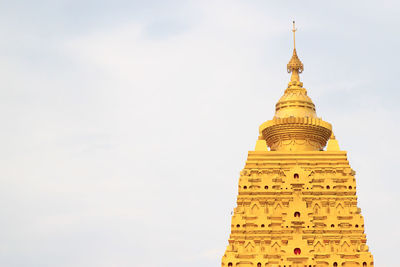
(295, 121)
(297, 204)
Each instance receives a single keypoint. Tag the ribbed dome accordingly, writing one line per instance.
(295, 103)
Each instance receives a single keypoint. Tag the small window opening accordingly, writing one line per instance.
(335, 264)
(230, 264)
(332, 225)
(296, 176)
(297, 251)
(328, 187)
(356, 225)
(259, 264)
(262, 225)
(245, 187)
(266, 187)
(237, 225)
(350, 187)
(297, 214)
(364, 264)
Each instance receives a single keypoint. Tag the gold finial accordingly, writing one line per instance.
(295, 66)
(294, 34)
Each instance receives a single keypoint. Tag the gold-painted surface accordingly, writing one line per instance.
(296, 197)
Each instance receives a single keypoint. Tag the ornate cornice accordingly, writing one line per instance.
(296, 134)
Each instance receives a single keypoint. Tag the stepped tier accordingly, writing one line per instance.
(297, 209)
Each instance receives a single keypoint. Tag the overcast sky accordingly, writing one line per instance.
(124, 124)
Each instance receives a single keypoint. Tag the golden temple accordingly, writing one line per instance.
(297, 203)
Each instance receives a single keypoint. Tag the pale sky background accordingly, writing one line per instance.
(125, 124)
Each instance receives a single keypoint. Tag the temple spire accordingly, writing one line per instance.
(294, 34)
(295, 66)
(297, 203)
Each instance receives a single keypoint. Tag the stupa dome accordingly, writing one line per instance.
(295, 126)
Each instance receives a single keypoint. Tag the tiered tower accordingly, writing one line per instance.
(297, 203)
